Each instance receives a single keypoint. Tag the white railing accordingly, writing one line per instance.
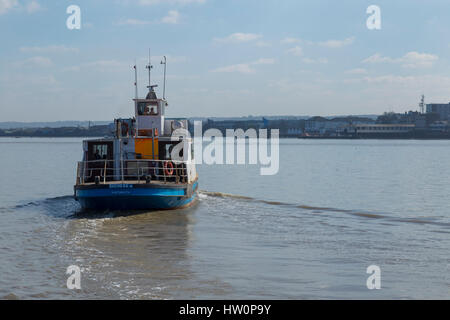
(140, 170)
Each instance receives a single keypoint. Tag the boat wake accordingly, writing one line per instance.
(60, 207)
(67, 207)
(315, 209)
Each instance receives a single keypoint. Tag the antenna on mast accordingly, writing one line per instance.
(136, 96)
(151, 88)
(135, 79)
(149, 67)
(422, 104)
(164, 84)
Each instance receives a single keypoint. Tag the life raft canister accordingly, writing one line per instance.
(168, 168)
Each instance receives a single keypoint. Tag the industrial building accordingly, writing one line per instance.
(443, 109)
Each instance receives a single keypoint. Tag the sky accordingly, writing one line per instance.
(225, 58)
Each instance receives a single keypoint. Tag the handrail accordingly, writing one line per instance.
(142, 170)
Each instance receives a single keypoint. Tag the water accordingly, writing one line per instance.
(309, 232)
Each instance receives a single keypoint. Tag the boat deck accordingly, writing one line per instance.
(154, 182)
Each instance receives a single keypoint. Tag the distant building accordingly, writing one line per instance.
(443, 109)
(287, 127)
(439, 126)
(334, 126)
(383, 128)
(321, 125)
(223, 125)
(421, 121)
(294, 131)
(409, 117)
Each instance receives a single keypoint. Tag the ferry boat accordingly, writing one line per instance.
(135, 168)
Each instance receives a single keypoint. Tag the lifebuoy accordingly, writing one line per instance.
(168, 168)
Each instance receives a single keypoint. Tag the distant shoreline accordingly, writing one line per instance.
(283, 126)
(62, 132)
(281, 137)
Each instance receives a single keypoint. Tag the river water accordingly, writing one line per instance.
(335, 208)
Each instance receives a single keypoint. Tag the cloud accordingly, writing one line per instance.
(263, 61)
(290, 40)
(172, 17)
(409, 85)
(318, 60)
(172, 2)
(71, 69)
(116, 65)
(134, 22)
(400, 92)
(156, 59)
(402, 87)
(37, 61)
(239, 37)
(411, 59)
(240, 68)
(337, 43)
(296, 51)
(328, 43)
(245, 68)
(99, 65)
(377, 58)
(262, 44)
(171, 59)
(356, 71)
(310, 86)
(102, 65)
(390, 79)
(107, 64)
(29, 79)
(33, 6)
(6, 5)
(419, 60)
(48, 49)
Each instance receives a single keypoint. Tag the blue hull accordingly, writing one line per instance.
(135, 196)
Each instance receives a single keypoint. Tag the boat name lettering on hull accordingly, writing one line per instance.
(121, 186)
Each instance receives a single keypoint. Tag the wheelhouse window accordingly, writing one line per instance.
(147, 108)
(100, 151)
(99, 161)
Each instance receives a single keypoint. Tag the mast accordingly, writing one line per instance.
(150, 88)
(164, 84)
(422, 104)
(135, 95)
(149, 67)
(135, 80)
